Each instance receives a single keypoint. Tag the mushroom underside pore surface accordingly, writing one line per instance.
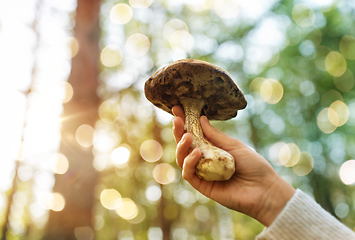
(201, 89)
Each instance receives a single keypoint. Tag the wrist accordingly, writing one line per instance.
(274, 201)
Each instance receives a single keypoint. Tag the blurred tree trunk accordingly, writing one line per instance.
(78, 183)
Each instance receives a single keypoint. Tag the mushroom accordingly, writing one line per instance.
(200, 88)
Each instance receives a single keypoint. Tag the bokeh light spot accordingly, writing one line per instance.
(289, 155)
(173, 26)
(347, 171)
(137, 45)
(164, 173)
(153, 193)
(120, 156)
(106, 141)
(111, 55)
(320, 54)
(202, 213)
(340, 115)
(84, 135)
(140, 3)
(109, 110)
(303, 15)
(305, 164)
(110, 198)
(331, 96)
(127, 209)
(323, 121)
(60, 164)
(274, 153)
(181, 40)
(256, 84)
(271, 91)
(155, 233)
(140, 215)
(347, 47)
(74, 46)
(67, 91)
(293, 35)
(198, 5)
(345, 82)
(151, 150)
(335, 64)
(226, 8)
(56, 202)
(121, 13)
(342, 210)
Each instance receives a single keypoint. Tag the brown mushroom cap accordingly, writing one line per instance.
(190, 78)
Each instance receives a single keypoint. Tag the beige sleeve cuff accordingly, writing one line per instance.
(303, 218)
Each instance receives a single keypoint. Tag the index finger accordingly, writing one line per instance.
(178, 112)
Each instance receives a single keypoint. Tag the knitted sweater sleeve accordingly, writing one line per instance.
(303, 218)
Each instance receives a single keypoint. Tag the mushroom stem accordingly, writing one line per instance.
(215, 164)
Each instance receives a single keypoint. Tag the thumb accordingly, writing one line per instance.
(217, 138)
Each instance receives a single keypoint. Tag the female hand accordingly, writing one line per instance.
(254, 189)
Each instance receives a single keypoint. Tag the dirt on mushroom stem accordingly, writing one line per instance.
(215, 164)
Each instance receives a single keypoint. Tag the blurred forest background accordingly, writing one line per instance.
(85, 156)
